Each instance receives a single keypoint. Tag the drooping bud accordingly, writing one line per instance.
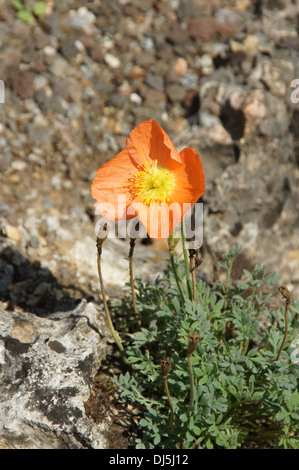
(194, 253)
(101, 231)
(285, 293)
(193, 342)
(165, 366)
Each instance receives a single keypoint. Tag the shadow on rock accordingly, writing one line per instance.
(28, 286)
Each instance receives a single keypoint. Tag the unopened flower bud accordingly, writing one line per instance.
(193, 342)
(285, 293)
(101, 233)
(165, 366)
(101, 229)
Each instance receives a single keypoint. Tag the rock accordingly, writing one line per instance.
(68, 49)
(81, 18)
(191, 102)
(248, 235)
(209, 27)
(274, 75)
(175, 92)
(248, 46)
(206, 65)
(112, 61)
(180, 66)
(177, 34)
(4, 208)
(145, 59)
(6, 276)
(95, 51)
(5, 160)
(23, 85)
(241, 112)
(19, 165)
(47, 366)
(9, 65)
(135, 98)
(38, 130)
(59, 67)
(52, 24)
(228, 16)
(151, 97)
(154, 81)
(12, 232)
(189, 80)
(41, 39)
(40, 82)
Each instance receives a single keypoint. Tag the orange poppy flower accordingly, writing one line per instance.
(151, 180)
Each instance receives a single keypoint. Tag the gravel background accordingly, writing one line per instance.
(216, 75)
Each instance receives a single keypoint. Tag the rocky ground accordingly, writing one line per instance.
(217, 76)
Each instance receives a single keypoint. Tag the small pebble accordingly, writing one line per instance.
(12, 232)
(135, 98)
(18, 165)
(180, 66)
(112, 61)
(50, 51)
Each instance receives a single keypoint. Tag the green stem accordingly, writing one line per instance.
(245, 347)
(288, 301)
(192, 267)
(131, 253)
(177, 276)
(113, 332)
(191, 377)
(169, 402)
(185, 251)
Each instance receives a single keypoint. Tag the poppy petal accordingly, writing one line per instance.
(189, 178)
(159, 220)
(112, 187)
(116, 173)
(148, 142)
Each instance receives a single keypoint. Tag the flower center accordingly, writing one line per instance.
(153, 185)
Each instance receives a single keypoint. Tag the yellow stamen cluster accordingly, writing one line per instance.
(153, 184)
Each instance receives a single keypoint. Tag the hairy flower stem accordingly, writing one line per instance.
(192, 269)
(108, 317)
(131, 253)
(286, 294)
(192, 345)
(185, 251)
(177, 276)
(195, 261)
(165, 368)
(191, 378)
